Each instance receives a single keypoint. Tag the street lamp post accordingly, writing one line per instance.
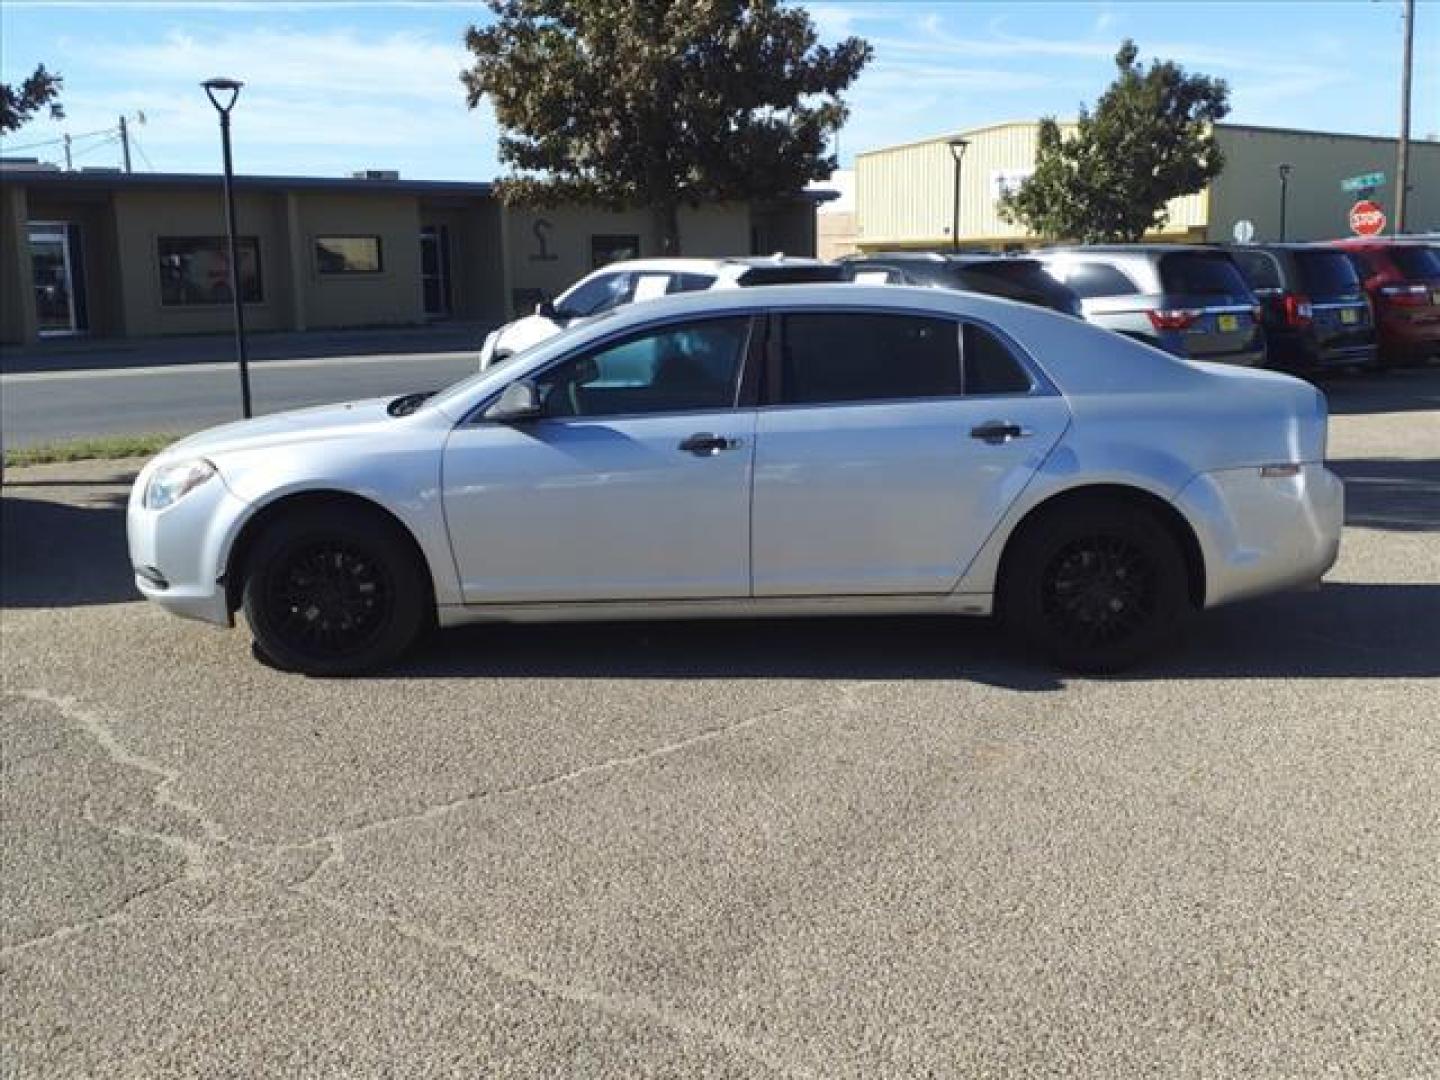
(1285, 169)
(957, 151)
(215, 90)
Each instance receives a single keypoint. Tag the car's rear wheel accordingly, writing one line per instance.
(1096, 584)
(334, 590)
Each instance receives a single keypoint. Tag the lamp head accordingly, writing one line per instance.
(1285, 170)
(216, 90)
(957, 147)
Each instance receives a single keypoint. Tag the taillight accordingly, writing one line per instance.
(1173, 319)
(1298, 310)
(1405, 295)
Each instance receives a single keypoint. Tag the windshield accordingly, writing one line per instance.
(1201, 275)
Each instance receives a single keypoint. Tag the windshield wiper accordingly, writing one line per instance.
(408, 403)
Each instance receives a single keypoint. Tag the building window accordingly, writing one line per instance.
(605, 250)
(195, 270)
(348, 255)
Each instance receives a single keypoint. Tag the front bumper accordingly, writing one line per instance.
(179, 554)
(1263, 534)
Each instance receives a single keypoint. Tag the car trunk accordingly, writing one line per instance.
(1211, 287)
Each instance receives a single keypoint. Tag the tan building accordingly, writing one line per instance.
(132, 255)
(904, 194)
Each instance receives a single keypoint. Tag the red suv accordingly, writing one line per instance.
(1402, 279)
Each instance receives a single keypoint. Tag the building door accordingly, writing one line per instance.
(55, 271)
(435, 270)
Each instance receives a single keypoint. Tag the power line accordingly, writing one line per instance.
(58, 140)
(135, 142)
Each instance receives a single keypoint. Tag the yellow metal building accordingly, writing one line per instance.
(904, 194)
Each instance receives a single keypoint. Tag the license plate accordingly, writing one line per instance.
(1349, 316)
(1229, 322)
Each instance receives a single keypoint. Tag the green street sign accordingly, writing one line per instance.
(1363, 183)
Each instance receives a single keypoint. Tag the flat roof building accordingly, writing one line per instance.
(904, 193)
(136, 254)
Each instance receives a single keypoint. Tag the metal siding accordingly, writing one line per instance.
(904, 193)
(1317, 209)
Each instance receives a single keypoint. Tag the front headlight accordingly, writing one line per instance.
(171, 483)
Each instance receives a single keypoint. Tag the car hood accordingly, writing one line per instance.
(351, 418)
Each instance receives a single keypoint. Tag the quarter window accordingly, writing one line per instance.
(854, 357)
(195, 270)
(348, 255)
(690, 367)
(990, 366)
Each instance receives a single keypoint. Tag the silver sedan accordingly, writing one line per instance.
(836, 449)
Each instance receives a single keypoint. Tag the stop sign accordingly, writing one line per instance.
(1366, 218)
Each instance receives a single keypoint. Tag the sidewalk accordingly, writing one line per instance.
(79, 353)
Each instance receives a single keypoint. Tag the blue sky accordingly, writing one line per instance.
(349, 84)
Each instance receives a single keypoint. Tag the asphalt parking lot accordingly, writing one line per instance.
(854, 848)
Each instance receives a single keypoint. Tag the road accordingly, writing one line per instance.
(855, 848)
(54, 406)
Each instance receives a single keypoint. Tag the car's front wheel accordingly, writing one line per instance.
(334, 590)
(1096, 584)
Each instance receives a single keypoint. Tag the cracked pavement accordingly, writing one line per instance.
(793, 849)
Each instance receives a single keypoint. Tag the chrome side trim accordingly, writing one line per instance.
(742, 608)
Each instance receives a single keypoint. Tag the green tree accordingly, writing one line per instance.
(659, 103)
(1150, 139)
(17, 106)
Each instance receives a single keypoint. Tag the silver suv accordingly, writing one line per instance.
(1190, 301)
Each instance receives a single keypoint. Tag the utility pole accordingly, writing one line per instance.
(1402, 167)
(125, 143)
(69, 164)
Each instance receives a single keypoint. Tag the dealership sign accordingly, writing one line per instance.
(1366, 218)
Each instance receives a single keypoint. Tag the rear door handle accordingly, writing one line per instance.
(707, 444)
(998, 431)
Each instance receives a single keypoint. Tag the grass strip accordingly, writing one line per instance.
(100, 448)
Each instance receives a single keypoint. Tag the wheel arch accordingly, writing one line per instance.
(256, 524)
(1163, 510)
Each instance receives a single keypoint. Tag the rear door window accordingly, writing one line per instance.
(1326, 275)
(683, 283)
(1416, 262)
(1201, 274)
(839, 357)
(1094, 279)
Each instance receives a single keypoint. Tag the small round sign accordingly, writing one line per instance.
(1244, 231)
(1367, 218)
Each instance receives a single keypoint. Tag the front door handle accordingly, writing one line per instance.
(998, 431)
(707, 444)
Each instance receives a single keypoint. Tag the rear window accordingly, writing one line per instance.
(790, 275)
(1094, 279)
(1416, 262)
(1325, 274)
(1201, 275)
(1260, 270)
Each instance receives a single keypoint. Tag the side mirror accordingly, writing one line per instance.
(518, 401)
(546, 310)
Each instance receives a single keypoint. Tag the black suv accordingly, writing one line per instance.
(1313, 305)
(1009, 276)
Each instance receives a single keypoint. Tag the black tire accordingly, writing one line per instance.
(1096, 584)
(335, 590)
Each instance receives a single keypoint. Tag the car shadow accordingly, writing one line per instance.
(1401, 494)
(1343, 630)
(1411, 389)
(55, 554)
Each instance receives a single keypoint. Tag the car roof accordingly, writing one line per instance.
(677, 264)
(942, 258)
(1132, 249)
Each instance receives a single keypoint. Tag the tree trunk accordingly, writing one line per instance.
(667, 228)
